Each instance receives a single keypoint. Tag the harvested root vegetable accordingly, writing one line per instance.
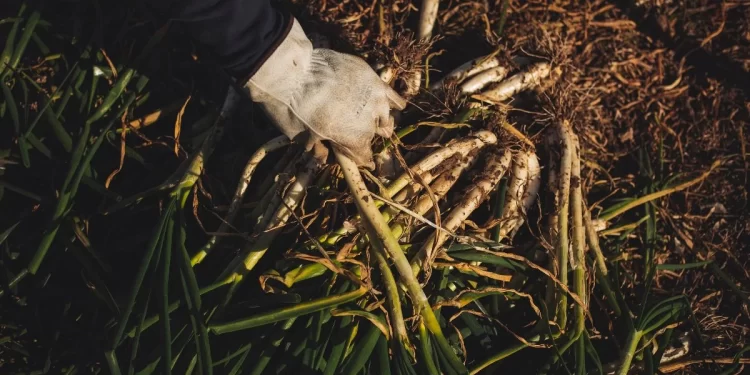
(427, 17)
(413, 82)
(389, 213)
(512, 215)
(440, 188)
(519, 82)
(404, 187)
(467, 69)
(531, 192)
(239, 193)
(254, 251)
(443, 184)
(562, 208)
(578, 260)
(535, 181)
(462, 147)
(484, 78)
(497, 164)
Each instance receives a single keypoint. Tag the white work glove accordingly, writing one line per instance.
(316, 94)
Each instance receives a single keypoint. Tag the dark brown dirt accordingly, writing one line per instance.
(665, 82)
(654, 91)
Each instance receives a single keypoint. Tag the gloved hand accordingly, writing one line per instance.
(315, 94)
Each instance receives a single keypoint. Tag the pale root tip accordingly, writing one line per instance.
(486, 136)
(599, 225)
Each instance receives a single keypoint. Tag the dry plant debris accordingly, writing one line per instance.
(567, 192)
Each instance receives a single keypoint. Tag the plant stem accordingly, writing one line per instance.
(392, 296)
(378, 230)
(253, 252)
(553, 219)
(164, 300)
(239, 193)
(634, 337)
(287, 313)
(579, 245)
(563, 199)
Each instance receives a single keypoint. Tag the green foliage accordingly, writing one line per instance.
(329, 303)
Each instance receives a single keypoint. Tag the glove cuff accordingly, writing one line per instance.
(280, 75)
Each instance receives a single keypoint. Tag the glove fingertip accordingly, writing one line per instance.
(395, 100)
(385, 126)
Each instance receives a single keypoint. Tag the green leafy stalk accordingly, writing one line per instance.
(192, 293)
(10, 42)
(401, 337)
(380, 235)
(73, 179)
(383, 359)
(277, 337)
(343, 330)
(153, 319)
(627, 206)
(288, 312)
(499, 356)
(362, 351)
(426, 357)
(112, 96)
(141, 275)
(20, 48)
(634, 337)
(579, 247)
(10, 102)
(164, 302)
(562, 230)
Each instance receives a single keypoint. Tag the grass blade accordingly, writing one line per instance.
(140, 275)
(680, 267)
(362, 351)
(343, 332)
(277, 337)
(10, 42)
(10, 103)
(164, 301)
(192, 294)
(112, 96)
(71, 183)
(287, 313)
(6, 233)
(20, 48)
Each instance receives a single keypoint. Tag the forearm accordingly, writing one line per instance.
(238, 33)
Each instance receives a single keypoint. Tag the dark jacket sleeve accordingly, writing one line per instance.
(240, 34)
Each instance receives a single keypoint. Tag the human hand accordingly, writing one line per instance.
(316, 94)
